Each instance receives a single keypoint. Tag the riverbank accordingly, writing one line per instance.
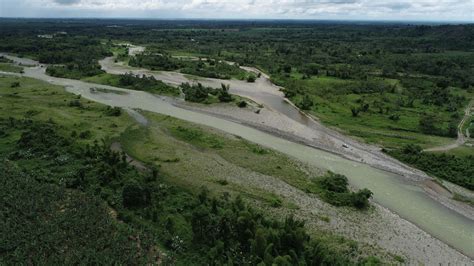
(264, 92)
(279, 125)
(355, 172)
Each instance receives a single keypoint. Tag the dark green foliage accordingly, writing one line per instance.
(355, 111)
(145, 83)
(224, 95)
(56, 211)
(154, 61)
(113, 111)
(73, 57)
(15, 84)
(159, 60)
(75, 71)
(459, 170)
(199, 93)
(251, 78)
(44, 222)
(48, 224)
(227, 228)
(195, 92)
(216, 69)
(242, 104)
(75, 103)
(335, 183)
(429, 125)
(134, 195)
(394, 117)
(85, 134)
(306, 103)
(336, 192)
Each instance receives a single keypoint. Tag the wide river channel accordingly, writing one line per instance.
(390, 190)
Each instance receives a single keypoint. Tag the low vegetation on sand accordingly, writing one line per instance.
(202, 94)
(134, 82)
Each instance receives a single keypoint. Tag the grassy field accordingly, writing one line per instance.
(7, 67)
(53, 103)
(179, 147)
(376, 126)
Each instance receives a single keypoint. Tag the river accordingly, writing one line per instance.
(390, 190)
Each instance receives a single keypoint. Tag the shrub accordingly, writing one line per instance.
(306, 103)
(75, 103)
(15, 84)
(251, 78)
(134, 195)
(242, 104)
(336, 192)
(224, 95)
(113, 111)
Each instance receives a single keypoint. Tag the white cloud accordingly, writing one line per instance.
(305, 9)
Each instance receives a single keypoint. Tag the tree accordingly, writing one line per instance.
(361, 198)
(427, 124)
(335, 183)
(452, 130)
(224, 95)
(306, 103)
(412, 149)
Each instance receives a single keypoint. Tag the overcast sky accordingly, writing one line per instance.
(415, 10)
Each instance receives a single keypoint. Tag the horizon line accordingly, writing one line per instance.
(253, 19)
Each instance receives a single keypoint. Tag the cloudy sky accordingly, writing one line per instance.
(414, 10)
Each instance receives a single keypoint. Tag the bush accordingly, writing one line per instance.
(335, 183)
(145, 83)
(75, 103)
(195, 92)
(242, 104)
(224, 95)
(134, 195)
(15, 84)
(306, 103)
(336, 192)
(113, 111)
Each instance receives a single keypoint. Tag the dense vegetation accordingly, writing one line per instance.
(202, 94)
(211, 68)
(334, 189)
(134, 82)
(71, 56)
(77, 183)
(389, 84)
(70, 199)
(457, 169)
